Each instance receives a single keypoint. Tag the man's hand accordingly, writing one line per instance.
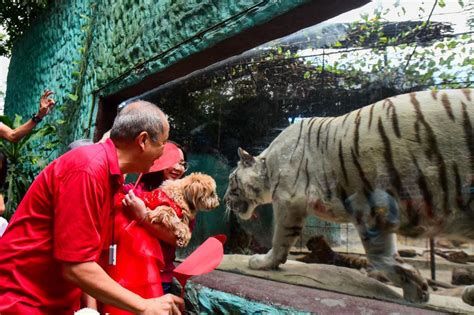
(135, 204)
(46, 104)
(164, 305)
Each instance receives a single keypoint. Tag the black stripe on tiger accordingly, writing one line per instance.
(276, 186)
(367, 185)
(411, 227)
(328, 193)
(447, 106)
(391, 108)
(341, 160)
(458, 184)
(306, 174)
(345, 118)
(298, 172)
(392, 170)
(468, 131)
(356, 131)
(349, 126)
(298, 140)
(311, 123)
(328, 130)
(422, 184)
(319, 130)
(433, 149)
(467, 94)
(371, 115)
(342, 192)
(417, 131)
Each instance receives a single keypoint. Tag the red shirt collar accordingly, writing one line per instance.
(111, 152)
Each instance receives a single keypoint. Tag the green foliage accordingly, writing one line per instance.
(15, 17)
(414, 54)
(25, 159)
(70, 109)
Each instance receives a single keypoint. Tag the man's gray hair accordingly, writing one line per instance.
(79, 143)
(137, 117)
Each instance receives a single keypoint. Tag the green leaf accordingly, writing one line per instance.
(306, 75)
(468, 61)
(6, 120)
(85, 17)
(452, 44)
(73, 97)
(17, 121)
(441, 3)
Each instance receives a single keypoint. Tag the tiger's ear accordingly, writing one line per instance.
(246, 158)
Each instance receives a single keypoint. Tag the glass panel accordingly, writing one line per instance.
(330, 69)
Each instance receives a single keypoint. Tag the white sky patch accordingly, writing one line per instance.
(4, 62)
(415, 10)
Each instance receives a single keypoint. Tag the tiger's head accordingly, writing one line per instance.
(248, 186)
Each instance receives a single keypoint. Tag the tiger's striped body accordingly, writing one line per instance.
(404, 164)
(420, 151)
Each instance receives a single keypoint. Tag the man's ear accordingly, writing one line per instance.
(142, 139)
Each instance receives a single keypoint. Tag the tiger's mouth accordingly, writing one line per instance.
(240, 207)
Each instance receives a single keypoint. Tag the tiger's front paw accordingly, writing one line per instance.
(415, 287)
(262, 262)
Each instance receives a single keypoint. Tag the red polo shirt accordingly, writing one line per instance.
(64, 216)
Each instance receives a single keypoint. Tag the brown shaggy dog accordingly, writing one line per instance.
(192, 193)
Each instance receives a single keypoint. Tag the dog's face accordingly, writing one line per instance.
(200, 191)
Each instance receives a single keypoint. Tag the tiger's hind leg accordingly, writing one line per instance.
(376, 217)
(382, 253)
(288, 226)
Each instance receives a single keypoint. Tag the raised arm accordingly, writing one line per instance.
(14, 135)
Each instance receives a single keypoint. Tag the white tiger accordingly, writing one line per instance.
(404, 164)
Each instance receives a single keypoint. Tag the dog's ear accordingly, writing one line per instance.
(194, 191)
(200, 192)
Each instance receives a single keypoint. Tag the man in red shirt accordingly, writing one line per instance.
(50, 250)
